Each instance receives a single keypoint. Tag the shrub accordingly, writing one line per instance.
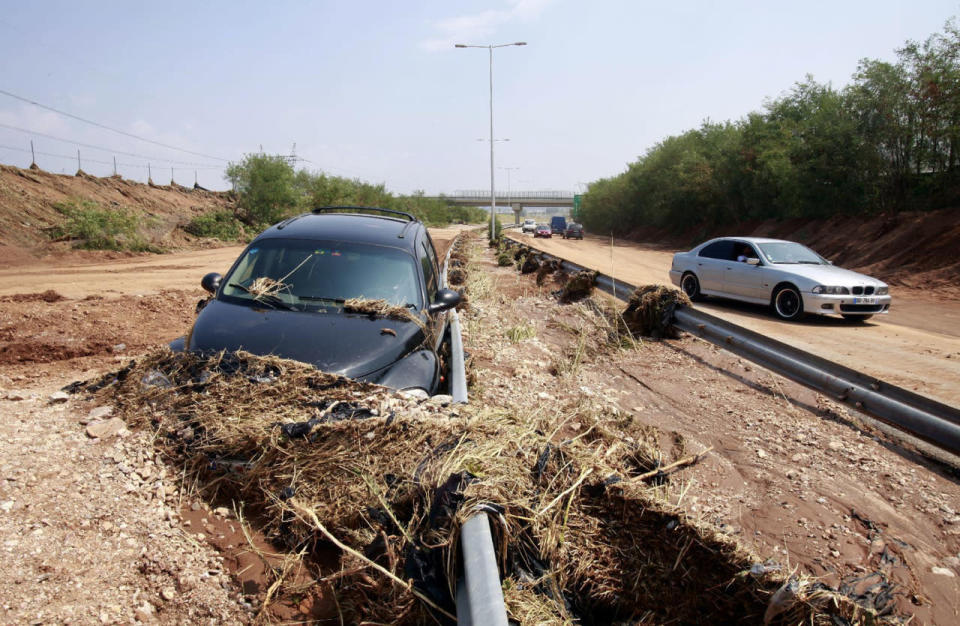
(222, 225)
(94, 228)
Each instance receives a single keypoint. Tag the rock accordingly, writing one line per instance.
(145, 613)
(222, 511)
(835, 445)
(120, 347)
(6, 506)
(796, 458)
(108, 428)
(58, 397)
(168, 593)
(441, 400)
(942, 571)
(99, 413)
(543, 395)
(16, 396)
(761, 454)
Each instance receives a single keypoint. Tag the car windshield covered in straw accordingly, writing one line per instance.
(790, 252)
(305, 275)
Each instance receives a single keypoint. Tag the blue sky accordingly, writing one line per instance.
(375, 90)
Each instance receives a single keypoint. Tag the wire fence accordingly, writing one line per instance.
(143, 171)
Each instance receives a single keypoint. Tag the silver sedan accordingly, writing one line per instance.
(791, 278)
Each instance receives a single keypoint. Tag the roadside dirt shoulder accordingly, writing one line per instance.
(790, 474)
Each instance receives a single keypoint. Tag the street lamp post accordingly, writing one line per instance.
(493, 197)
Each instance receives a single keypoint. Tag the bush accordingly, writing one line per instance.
(93, 228)
(267, 188)
(222, 225)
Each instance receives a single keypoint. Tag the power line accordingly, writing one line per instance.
(99, 125)
(74, 157)
(87, 145)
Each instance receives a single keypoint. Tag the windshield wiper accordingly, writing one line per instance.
(324, 298)
(810, 262)
(267, 298)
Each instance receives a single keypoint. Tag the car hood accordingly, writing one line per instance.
(828, 274)
(339, 343)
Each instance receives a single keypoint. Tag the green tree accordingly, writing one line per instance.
(266, 188)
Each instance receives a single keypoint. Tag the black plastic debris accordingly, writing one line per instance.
(297, 430)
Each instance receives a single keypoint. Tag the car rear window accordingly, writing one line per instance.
(309, 274)
(718, 250)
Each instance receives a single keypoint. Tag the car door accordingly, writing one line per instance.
(711, 263)
(742, 280)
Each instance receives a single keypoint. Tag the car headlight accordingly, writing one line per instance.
(882, 291)
(831, 290)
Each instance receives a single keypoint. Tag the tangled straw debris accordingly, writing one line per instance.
(584, 533)
(579, 286)
(650, 310)
(382, 309)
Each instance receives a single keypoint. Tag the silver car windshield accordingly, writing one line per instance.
(304, 274)
(790, 252)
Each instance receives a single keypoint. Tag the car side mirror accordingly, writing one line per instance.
(753, 261)
(446, 299)
(211, 282)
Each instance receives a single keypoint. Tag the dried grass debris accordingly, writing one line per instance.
(382, 309)
(579, 286)
(649, 311)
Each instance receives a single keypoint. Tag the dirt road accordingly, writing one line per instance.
(916, 346)
(139, 275)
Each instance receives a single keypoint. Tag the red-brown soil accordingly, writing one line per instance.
(27, 199)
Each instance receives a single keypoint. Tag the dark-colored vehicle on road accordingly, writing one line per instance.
(558, 224)
(288, 295)
(573, 231)
(542, 230)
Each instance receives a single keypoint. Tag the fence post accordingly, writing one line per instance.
(33, 156)
(79, 167)
(114, 166)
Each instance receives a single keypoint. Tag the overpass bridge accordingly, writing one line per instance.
(516, 200)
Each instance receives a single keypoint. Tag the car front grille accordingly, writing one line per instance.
(861, 308)
(862, 291)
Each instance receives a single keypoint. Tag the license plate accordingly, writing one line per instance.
(864, 300)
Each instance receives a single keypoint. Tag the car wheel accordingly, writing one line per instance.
(691, 286)
(856, 319)
(787, 303)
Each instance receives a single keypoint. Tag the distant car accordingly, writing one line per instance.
(542, 230)
(558, 224)
(789, 277)
(573, 231)
(528, 226)
(286, 296)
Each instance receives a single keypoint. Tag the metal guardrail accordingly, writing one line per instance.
(927, 419)
(479, 594)
(458, 373)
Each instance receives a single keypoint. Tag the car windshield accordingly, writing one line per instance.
(302, 274)
(790, 252)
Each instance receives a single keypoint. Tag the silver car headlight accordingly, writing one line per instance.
(831, 290)
(882, 291)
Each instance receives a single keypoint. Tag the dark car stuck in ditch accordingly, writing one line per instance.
(354, 291)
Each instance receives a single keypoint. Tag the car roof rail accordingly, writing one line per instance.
(355, 208)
